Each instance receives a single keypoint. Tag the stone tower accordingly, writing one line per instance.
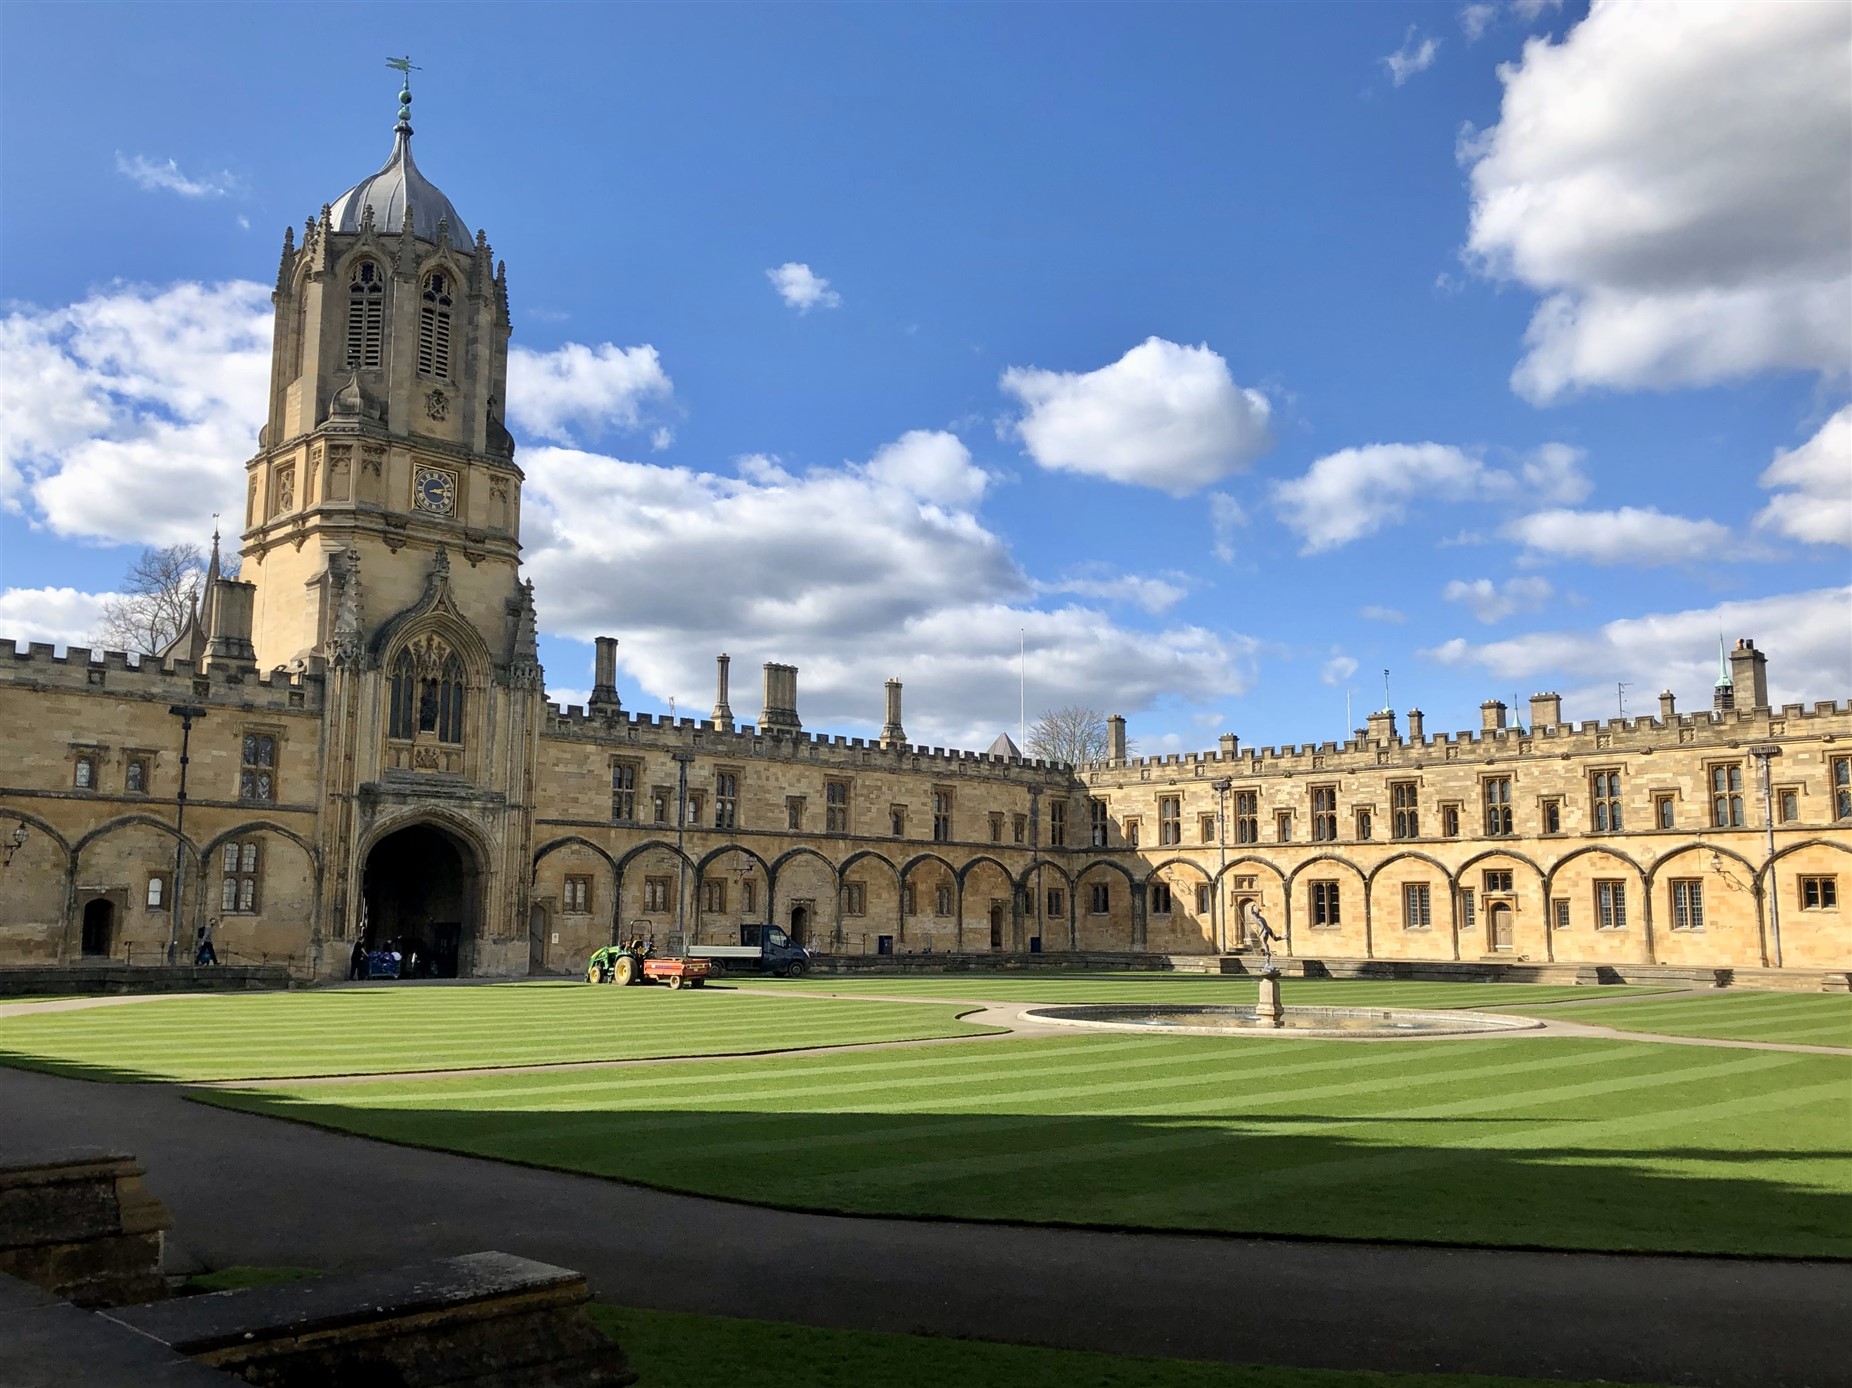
(381, 532)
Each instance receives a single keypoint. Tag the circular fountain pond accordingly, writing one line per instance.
(1216, 1019)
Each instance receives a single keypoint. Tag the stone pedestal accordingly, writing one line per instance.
(80, 1224)
(1268, 1008)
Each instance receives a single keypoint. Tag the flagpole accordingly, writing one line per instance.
(1022, 676)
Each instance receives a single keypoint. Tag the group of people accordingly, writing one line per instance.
(394, 959)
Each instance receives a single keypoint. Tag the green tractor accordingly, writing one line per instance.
(619, 964)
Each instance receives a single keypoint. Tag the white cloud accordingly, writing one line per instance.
(63, 616)
(1412, 57)
(1803, 635)
(1813, 502)
(1372, 613)
(129, 416)
(1225, 518)
(1355, 492)
(155, 177)
(1491, 602)
(1677, 238)
(855, 573)
(1476, 19)
(587, 387)
(1337, 669)
(1163, 416)
(1154, 595)
(801, 288)
(1528, 10)
(1640, 536)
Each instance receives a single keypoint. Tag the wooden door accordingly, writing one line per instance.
(1501, 927)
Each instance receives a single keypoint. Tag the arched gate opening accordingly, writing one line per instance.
(422, 888)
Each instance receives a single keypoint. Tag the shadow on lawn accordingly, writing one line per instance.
(1247, 1175)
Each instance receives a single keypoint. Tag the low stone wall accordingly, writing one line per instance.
(485, 1318)
(988, 961)
(80, 1224)
(101, 978)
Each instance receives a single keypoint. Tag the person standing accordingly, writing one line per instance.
(357, 961)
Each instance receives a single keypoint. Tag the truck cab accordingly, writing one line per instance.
(778, 952)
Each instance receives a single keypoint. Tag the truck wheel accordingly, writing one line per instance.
(675, 982)
(800, 968)
(626, 971)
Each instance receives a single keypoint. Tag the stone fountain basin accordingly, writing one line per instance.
(1237, 1019)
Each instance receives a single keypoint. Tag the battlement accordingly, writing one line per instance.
(746, 741)
(37, 665)
(1553, 740)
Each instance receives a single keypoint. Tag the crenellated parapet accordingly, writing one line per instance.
(748, 742)
(38, 666)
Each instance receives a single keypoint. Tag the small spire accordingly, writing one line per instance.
(405, 68)
(1723, 665)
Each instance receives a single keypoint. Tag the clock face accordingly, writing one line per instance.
(434, 490)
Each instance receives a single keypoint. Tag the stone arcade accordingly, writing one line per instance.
(376, 756)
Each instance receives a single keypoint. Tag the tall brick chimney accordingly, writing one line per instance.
(780, 711)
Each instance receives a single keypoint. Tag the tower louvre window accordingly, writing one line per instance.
(434, 326)
(366, 314)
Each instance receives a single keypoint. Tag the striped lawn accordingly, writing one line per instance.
(378, 1030)
(1231, 988)
(1806, 1019)
(1533, 1142)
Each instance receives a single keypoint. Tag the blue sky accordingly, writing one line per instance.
(1221, 355)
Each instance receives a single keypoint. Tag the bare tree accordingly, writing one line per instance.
(1072, 734)
(158, 592)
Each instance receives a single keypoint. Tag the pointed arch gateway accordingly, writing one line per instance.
(422, 892)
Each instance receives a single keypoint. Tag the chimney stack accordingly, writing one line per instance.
(1231, 746)
(1668, 707)
(1749, 676)
(780, 711)
(1115, 740)
(230, 606)
(1417, 727)
(723, 714)
(892, 734)
(604, 677)
(1381, 729)
(1492, 716)
(1546, 711)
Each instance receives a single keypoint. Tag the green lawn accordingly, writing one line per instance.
(673, 1350)
(1151, 987)
(377, 1030)
(1807, 1019)
(1529, 1142)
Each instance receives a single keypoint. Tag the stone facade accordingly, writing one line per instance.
(370, 754)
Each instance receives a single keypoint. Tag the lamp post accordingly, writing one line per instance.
(1764, 755)
(682, 760)
(1221, 788)
(12, 843)
(187, 714)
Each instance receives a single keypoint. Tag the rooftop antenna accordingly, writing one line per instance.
(1022, 676)
(1386, 704)
(1620, 696)
(1347, 727)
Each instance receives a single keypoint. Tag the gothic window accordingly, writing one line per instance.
(726, 799)
(1325, 908)
(578, 900)
(854, 899)
(1057, 902)
(623, 792)
(1100, 899)
(434, 326)
(1687, 904)
(83, 775)
(942, 899)
(257, 776)
(1097, 808)
(238, 876)
(1057, 824)
(835, 807)
(1727, 795)
(942, 816)
(427, 692)
(657, 894)
(1405, 800)
(1610, 905)
(1496, 792)
(714, 897)
(1417, 906)
(1606, 789)
(1160, 898)
(1324, 813)
(1247, 816)
(135, 779)
(366, 314)
(1170, 819)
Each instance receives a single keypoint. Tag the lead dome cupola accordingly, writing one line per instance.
(395, 188)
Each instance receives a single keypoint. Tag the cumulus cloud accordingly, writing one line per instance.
(1415, 55)
(1528, 10)
(1476, 19)
(802, 288)
(1676, 238)
(63, 616)
(1225, 518)
(855, 573)
(576, 388)
(1493, 602)
(1640, 536)
(1813, 487)
(1355, 492)
(1337, 669)
(129, 416)
(155, 176)
(1163, 416)
(1804, 635)
(1154, 595)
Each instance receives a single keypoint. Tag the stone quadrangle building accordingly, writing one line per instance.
(369, 752)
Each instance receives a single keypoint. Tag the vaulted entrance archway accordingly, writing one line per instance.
(423, 891)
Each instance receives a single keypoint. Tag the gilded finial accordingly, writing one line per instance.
(405, 67)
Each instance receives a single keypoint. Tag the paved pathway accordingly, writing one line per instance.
(245, 1189)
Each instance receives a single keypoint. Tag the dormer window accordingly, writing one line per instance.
(366, 314)
(434, 326)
